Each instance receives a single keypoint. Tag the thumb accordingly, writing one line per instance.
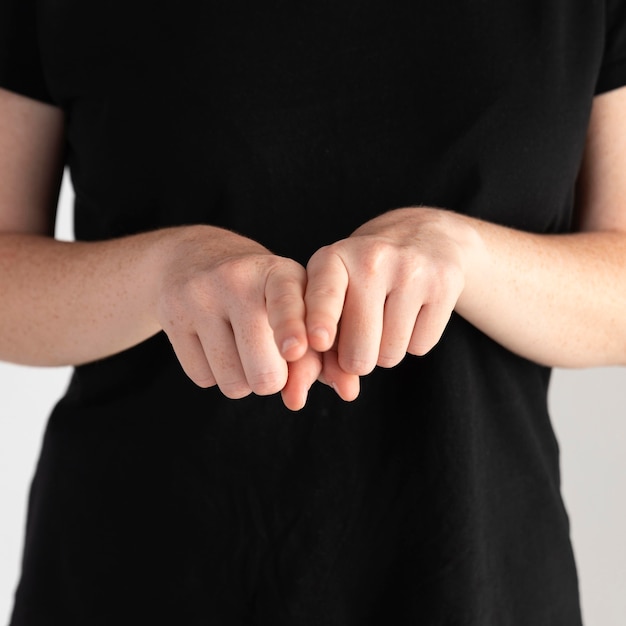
(346, 385)
(301, 374)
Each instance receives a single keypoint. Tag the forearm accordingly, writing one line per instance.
(559, 300)
(73, 302)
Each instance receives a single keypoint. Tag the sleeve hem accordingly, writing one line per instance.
(612, 76)
(28, 91)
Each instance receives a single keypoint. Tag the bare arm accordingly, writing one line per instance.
(559, 300)
(233, 311)
(62, 303)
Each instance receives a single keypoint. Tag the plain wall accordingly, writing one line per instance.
(589, 416)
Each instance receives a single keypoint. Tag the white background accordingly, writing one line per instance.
(589, 416)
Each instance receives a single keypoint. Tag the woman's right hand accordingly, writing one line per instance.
(227, 304)
(234, 313)
(225, 301)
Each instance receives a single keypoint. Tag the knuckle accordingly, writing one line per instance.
(198, 291)
(375, 257)
(321, 255)
(356, 365)
(325, 291)
(421, 346)
(389, 360)
(284, 301)
(267, 383)
(292, 271)
(413, 268)
(203, 380)
(236, 275)
(419, 349)
(286, 272)
(236, 268)
(235, 390)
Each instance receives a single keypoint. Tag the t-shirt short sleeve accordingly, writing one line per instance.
(613, 71)
(21, 68)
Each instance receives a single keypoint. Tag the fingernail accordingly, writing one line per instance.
(321, 333)
(288, 343)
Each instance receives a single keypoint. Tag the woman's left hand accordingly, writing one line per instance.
(388, 289)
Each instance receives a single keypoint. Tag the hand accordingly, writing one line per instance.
(322, 367)
(389, 288)
(234, 313)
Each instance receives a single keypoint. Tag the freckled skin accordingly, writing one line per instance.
(555, 299)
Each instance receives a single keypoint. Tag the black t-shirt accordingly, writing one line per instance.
(432, 499)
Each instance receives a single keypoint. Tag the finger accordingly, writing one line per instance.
(264, 368)
(361, 327)
(400, 313)
(190, 354)
(301, 375)
(284, 301)
(327, 282)
(221, 350)
(432, 320)
(346, 385)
